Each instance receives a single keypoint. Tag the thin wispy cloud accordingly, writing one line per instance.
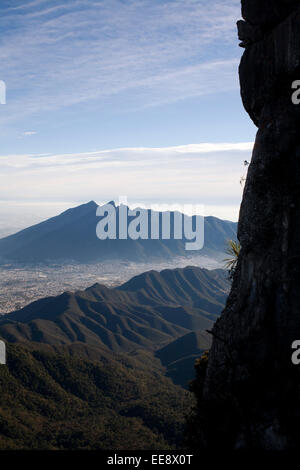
(60, 54)
(28, 133)
(206, 173)
(96, 74)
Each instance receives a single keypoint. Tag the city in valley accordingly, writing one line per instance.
(20, 285)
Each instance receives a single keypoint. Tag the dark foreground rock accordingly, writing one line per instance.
(251, 393)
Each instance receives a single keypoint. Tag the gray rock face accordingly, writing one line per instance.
(251, 396)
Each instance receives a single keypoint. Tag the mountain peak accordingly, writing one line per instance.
(50, 240)
(91, 204)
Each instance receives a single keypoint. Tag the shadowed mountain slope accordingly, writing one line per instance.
(149, 311)
(179, 356)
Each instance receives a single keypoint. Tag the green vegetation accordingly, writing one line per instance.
(87, 370)
(51, 400)
(233, 250)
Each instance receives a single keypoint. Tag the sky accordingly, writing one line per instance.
(120, 97)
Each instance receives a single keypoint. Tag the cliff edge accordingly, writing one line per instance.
(251, 392)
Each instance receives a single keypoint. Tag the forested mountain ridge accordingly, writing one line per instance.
(56, 400)
(149, 311)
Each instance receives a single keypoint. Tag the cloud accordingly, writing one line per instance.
(206, 173)
(25, 6)
(29, 133)
(135, 53)
(146, 52)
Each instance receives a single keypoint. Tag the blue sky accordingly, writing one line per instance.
(87, 76)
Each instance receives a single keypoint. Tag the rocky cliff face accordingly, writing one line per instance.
(251, 395)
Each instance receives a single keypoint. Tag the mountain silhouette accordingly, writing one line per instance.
(71, 236)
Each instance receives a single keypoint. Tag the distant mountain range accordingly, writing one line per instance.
(71, 236)
(149, 312)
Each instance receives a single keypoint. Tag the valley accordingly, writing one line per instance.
(108, 367)
(21, 284)
(102, 335)
(148, 311)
